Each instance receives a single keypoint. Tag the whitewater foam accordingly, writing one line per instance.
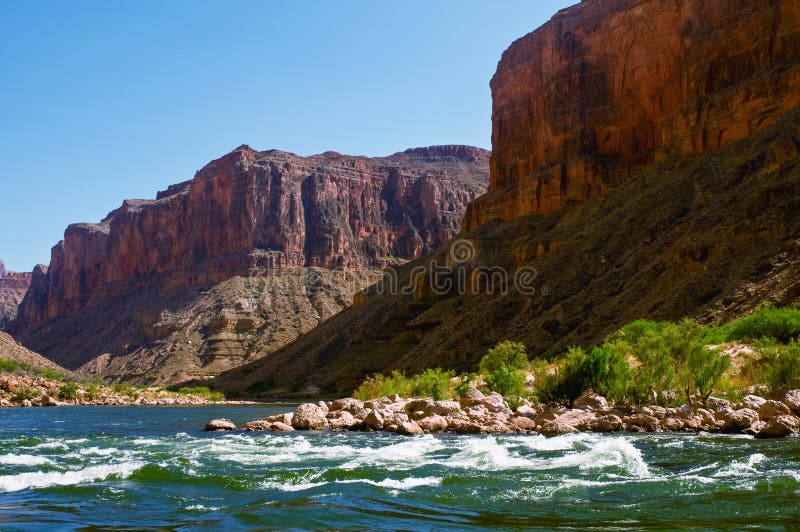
(40, 479)
(24, 459)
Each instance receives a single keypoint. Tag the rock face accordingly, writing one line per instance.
(608, 87)
(676, 124)
(13, 287)
(253, 251)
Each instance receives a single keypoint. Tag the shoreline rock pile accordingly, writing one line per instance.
(476, 413)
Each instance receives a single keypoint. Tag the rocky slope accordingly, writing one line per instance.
(13, 287)
(227, 267)
(676, 123)
(12, 351)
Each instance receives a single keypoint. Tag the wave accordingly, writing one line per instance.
(22, 481)
(24, 459)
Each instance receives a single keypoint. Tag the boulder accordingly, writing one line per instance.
(341, 420)
(281, 427)
(257, 426)
(444, 408)
(772, 409)
(494, 402)
(737, 420)
(409, 428)
(281, 418)
(309, 416)
(526, 411)
(578, 419)
(607, 423)
(792, 400)
(753, 402)
(591, 402)
(672, 424)
(348, 404)
(220, 424)
(433, 423)
(779, 426)
(554, 428)
(374, 420)
(471, 398)
(525, 423)
(464, 426)
(645, 421)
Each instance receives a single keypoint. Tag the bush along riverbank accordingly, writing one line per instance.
(21, 385)
(740, 377)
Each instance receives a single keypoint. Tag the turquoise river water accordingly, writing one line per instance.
(138, 468)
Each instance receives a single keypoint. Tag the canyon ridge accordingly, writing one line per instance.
(255, 250)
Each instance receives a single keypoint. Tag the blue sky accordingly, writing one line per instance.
(102, 101)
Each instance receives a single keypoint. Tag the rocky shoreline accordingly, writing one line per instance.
(36, 390)
(476, 413)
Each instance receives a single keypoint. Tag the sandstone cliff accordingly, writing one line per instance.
(13, 287)
(608, 87)
(256, 249)
(646, 163)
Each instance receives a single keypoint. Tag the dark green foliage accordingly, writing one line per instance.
(68, 391)
(506, 381)
(25, 393)
(464, 384)
(603, 370)
(10, 365)
(782, 324)
(202, 391)
(52, 374)
(433, 382)
(509, 354)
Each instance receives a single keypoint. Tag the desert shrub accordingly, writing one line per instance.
(26, 393)
(464, 384)
(778, 365)
(91, 391)
(11, 365)
(433, 382)
(705, 368)
(202, 391)
(52, 374)
(509, 354)
(68, 391)
(604, 370)
(506, 381)
(783, 324)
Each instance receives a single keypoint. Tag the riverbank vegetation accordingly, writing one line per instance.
(646, 362)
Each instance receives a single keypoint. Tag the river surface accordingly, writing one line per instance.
(134, 468)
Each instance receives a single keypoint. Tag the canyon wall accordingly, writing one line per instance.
(645, 164)
(607, 87)
(155, 276)
(13, 286)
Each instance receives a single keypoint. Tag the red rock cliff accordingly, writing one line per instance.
(13, 287)
(608, 86)
(251, 212)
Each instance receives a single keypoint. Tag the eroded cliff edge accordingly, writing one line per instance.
(608, 87)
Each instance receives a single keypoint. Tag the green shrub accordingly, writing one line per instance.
(506, 381)
(778, 365)
(464, 384)
(433, 382)
(705, 368)
(783, 324)
(509, 354)
(603, 370)
(52, 374)
(202, 391)
(26, 393)
(91, 391)
(11, 365)
(68, 391)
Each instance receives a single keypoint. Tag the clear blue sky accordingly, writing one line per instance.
(106, 100)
